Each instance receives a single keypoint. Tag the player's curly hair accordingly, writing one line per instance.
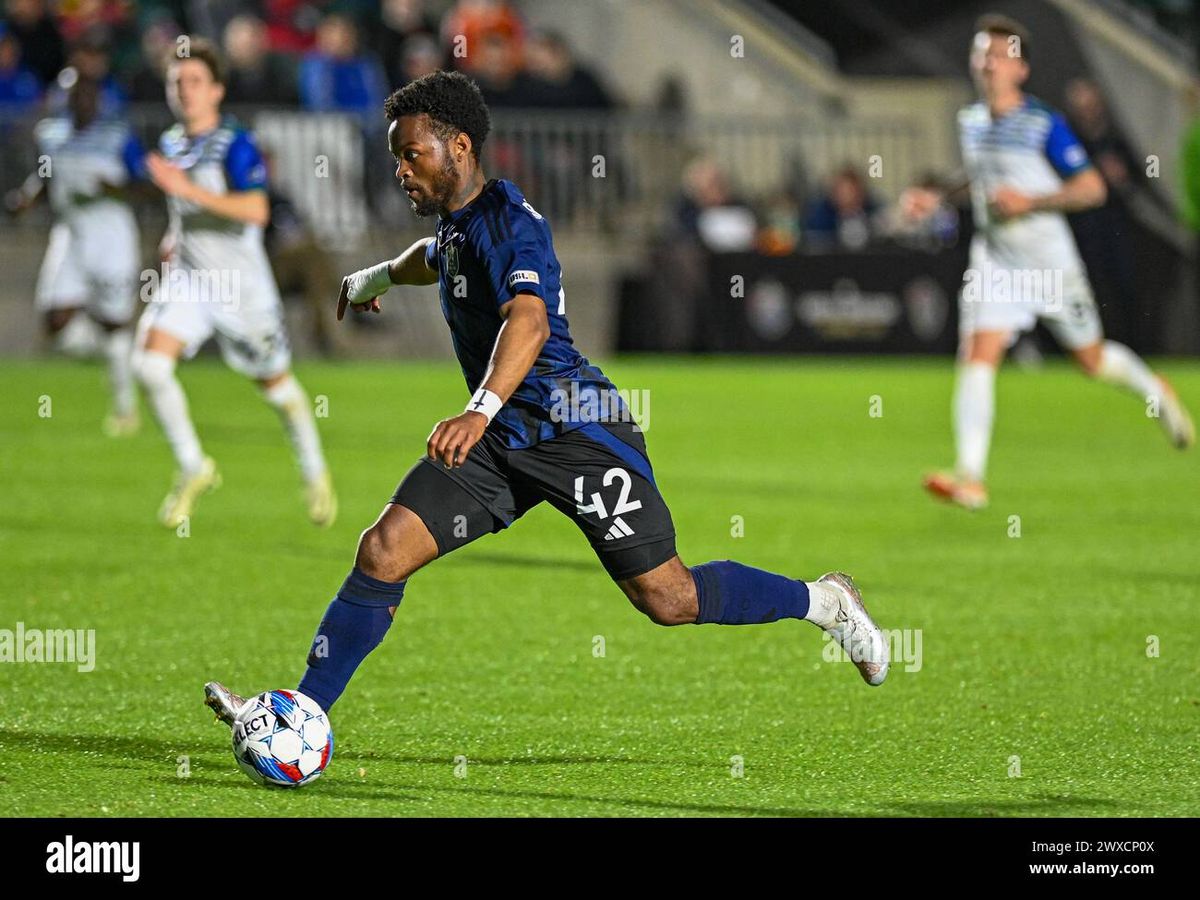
(451, 100)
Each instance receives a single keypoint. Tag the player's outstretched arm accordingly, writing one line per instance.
(362, 289)
(1081, 191)
(19, 199)
(920, 201)
(249, 206)
(518, 344)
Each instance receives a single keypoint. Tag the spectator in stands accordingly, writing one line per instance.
(498, 72)
(291, 24)
(468, 22)
(89, 56)
(782, 225)
(560, 82)
(1103, 233)
(41, 46)
(399, 23)
(674, 146)
(19, 86)
(256, 75)
(843, 216)
(147, 81)
(1107, 148)
(708, 211)
(87, 17)
(931, 228)
(705, 217)
(301, 263)
(420, 55)
(340, 76)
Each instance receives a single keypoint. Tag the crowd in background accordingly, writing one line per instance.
(319, 55)
(347, 55)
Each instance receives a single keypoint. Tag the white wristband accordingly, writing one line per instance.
(485, 402)
(367, 284)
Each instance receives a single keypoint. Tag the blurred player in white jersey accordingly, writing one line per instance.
(1024, 169)
(91, 262)
(216, 280)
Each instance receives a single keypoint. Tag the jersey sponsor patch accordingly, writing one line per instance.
(1075, 156)
(523, 275)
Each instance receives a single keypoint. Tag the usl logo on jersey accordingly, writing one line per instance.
(526, 275)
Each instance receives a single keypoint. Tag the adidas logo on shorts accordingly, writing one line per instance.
(618, 530)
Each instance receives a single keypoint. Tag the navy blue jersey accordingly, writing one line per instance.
(495, 247)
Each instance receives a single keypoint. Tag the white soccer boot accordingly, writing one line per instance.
(856, 632)
(119, 425)
(224, 702)
(321, 500)
(179, 503)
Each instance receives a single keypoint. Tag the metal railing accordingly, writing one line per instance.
(612, 173)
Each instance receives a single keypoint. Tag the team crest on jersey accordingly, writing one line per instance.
(450, 255)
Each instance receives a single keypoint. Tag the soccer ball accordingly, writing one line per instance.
(282, 738)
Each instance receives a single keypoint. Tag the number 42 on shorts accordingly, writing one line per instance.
(624, 505)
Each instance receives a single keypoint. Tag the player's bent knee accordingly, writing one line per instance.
(1089, 359)
(395, 546)
(666, 610)
(664, 597)
(377, 554)
(152, 369)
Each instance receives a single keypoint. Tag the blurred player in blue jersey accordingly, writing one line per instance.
(1025, 170)
(86, 163)
(216, 280)
(516, 444)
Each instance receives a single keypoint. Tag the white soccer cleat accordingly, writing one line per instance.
(222, 701)
(856, 632)
(119, 425)
(321, 500)
(1174, 418)
(181, 500)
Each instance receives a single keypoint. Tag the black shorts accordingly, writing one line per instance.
(598, 475)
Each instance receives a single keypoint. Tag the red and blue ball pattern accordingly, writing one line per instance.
(282, 738)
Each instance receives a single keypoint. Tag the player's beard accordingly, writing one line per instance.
(441, 191)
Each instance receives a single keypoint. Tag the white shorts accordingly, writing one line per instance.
(247, 322)
(95, 272)
(1015, 300)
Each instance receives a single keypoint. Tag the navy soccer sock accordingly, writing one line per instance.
(353, 626)
(733, 594)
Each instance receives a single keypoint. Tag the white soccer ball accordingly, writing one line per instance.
(282, 738)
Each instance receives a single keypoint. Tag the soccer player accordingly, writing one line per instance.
(512, 447)
(217, 280)
(91, 264)
(1025, 170)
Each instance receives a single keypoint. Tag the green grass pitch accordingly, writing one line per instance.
(1058, 672)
